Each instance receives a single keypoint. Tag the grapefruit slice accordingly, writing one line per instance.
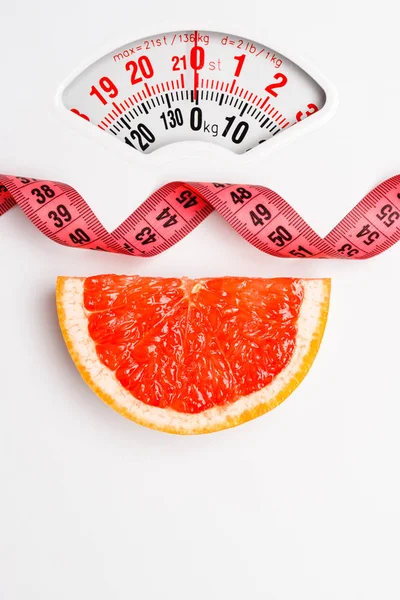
(192, 356)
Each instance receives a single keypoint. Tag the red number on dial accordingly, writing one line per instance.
(143, 65)
(281, 82)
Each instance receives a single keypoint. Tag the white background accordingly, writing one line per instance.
(302, 503)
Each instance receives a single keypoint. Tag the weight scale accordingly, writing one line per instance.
(198, 86)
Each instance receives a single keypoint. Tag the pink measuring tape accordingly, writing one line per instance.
(258, 214)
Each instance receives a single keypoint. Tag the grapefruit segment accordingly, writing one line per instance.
(192, 356)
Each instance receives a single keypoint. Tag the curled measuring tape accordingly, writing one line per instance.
(257, 213)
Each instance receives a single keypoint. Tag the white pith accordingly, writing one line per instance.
(76, 324)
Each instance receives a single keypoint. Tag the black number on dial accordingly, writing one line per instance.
(240, 131)
(172, 118)
(143, 135)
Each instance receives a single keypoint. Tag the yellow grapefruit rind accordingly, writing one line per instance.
(73, 322)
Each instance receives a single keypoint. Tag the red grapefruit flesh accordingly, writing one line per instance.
(192, 356)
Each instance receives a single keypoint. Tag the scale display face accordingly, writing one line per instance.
(194, 85)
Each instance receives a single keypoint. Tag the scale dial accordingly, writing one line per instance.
(194, 85)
